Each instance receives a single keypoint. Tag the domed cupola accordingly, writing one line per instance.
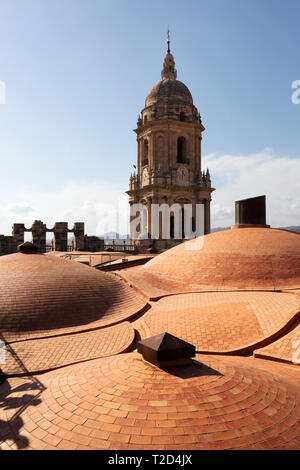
(169, 98)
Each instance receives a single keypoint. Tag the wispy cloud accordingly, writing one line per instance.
(240, 176)
(18, 208)
(104, 207)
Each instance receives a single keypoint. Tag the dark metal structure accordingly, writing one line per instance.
(251, 211)
(166, 350)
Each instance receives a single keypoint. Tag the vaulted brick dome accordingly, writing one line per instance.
(244, 259)
(43, 293)
(122, 402)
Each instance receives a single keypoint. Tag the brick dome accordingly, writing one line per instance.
(40, 293)
(122, 402)
(245, 259)
(169, 91)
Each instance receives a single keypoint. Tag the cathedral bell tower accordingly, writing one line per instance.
(169, 133)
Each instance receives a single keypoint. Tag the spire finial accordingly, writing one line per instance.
(169, 70)
(168, 39)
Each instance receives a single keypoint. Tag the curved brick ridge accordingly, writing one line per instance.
(292, 291)
(222, 321)
(246, 259)
(286, 349)
(38, 355)
(92, 258)
(121, 402)
(39, 293)
(151, 286)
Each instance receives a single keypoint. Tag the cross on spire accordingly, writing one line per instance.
(169, 70)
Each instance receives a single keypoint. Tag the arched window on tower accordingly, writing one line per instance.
(181, 117)
(193, 224)
(172, 226)
(181, 150)
(145, 153)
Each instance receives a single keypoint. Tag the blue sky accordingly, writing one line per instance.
(77, 74)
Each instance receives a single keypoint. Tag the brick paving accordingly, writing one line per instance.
(285, 349)
(43, 295)
(222, 321)
(31, 356)
(121, 402)
(247, 259)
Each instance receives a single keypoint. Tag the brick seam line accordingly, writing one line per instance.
(273, 358)
(128, 281)
(159, 297)
(132, 286)
(68, 333)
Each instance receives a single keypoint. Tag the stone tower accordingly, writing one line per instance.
(169, 133)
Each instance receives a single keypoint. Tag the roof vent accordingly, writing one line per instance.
(27, 248)
(166, 350)
(251, 212)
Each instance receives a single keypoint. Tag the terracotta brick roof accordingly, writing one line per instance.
(46, 293)
(286, 349)
(246, 259)
(121, 402)
(40, 355)
(48, 305)
(222, 322)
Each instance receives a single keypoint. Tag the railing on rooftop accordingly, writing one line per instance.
(120, 246)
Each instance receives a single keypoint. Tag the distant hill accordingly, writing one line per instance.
(293, 228)
(114, 236)
(219, 229)
(110, 236)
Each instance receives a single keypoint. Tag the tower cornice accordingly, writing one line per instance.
(151, 188)
(170, 122)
